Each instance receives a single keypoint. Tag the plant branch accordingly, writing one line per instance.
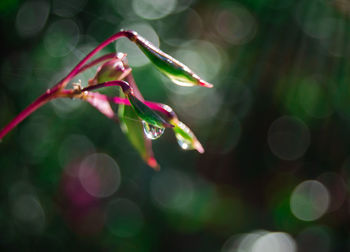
(97, 61)
(123, 84)
(43, 99)
(77, 68)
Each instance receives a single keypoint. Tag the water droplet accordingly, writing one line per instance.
(151, 131)
(185, 144)
(180, 81)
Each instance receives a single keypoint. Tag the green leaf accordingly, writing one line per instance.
(132, 127)
(178, 72)
(185, 137)
(147, 114)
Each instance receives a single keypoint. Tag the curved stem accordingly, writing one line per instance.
(123, 84)
(162, 108)
(97, 61)
(56, 91)
(43, 99)
(76, 69)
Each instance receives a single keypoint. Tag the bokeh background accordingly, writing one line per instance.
(276, 129)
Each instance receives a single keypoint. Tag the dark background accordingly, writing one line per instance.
(275, 174)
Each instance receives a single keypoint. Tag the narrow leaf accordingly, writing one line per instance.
(185, 137)
(178, 72)
(132, 127)
(97, 100)
(146, 114)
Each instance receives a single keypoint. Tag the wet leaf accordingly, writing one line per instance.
(185, 137)
(132, 127)
(178, 72)
(147, 114)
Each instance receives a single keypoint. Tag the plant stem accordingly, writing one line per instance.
(96, 61)
(76, 69)
(43, 99)
(123, 84)
(162, 108)
(56, 91)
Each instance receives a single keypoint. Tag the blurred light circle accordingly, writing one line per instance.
(239, 98)
(288, 138)
(124, 8)
(336, 44)
(227, 135)
(336, 187)
(153, 9)
(183, 5)
(31, 18)
(67, 8)
(99, 174)
(37, 130)
(74, 147)
(243, 242)
(61, 38)
(201, 110)
(172, 189)
(312, 97)
(315, 238)
(63, 107)
(135, 57)
(318, 27)
(314, 18)
(28, 211)
(278, 4)
(169, 31)
(235, 24)
(78, 54)
(309, 200)
(342, 5)
(124, 218)
(274, 242)
(231, 243)
(86, 45)
(203, 57)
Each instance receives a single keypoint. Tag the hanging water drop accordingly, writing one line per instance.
(184, 143)
(151, 131)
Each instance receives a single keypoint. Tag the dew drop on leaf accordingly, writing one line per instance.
(180, 81)
(152, 132)
(185, 144)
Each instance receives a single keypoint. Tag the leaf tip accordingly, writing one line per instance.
(197, 145)
(205, 84)
(152, 162)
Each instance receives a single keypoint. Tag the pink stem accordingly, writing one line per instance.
(57, 89)
(43, 99)
(123, 84)
(152, 105)
(130, 79)
(97, 61)
(76, 69)
(169, 113)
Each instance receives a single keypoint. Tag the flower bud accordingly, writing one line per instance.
(179, 73)
(111, 70)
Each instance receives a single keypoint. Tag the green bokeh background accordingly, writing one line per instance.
(279, 115)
